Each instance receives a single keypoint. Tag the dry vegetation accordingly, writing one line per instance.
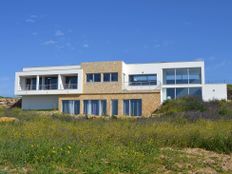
(45, 142)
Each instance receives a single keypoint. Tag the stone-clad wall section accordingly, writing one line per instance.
(102, 87)
(150, 100)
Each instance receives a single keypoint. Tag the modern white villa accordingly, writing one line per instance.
(113, 88)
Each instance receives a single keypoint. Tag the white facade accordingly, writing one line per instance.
(36, 85)
(59, 72)
(214, 92)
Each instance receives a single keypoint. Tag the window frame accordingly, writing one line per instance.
(188, 95)
(112, 107)
(142, 82)
(110, 76)
(74, 102)
(88, 107)
(93, 77)
(174, 82)
(129, 102)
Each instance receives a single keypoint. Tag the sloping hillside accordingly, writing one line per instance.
(193, 109)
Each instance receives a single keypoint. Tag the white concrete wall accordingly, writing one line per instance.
(39, 102)
(20, 76)
(157, 68)
(214, 92)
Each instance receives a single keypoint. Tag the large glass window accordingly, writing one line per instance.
(173, 93)
(114, 107)
(31, 84)
(132, 107)
(71, 107)
(182, 76)
(194, 75)
(126, 107)
(96, 77)
(195, 92)
(50, 83)
(71, 82)
(142, 79)
(169, 76)
(95, 107)
(181, 92)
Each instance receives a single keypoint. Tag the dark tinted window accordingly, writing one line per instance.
(106, 77)
(171, 93)
(93, 77)
(114, 77)
(89, 77)
(142, 79)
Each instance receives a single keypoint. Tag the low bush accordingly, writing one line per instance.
(193, 109)
(55, 143)
(181, 105)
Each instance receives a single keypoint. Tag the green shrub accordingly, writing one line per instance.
(182, 105)
(48, 144)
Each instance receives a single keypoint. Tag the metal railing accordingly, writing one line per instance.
(70, 86)
(142, 85)
(29, 87)
(48, 86)
(148, 83)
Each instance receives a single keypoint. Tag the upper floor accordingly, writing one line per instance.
(108, 77)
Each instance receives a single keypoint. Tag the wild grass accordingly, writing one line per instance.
(42, 143)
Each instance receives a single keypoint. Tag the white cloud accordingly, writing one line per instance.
(59, 33)
(85, 45)
(30, 21)
(49, 42)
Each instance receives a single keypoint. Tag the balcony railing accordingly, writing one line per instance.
(148, 83)
(152, 85)
(70, 86)
(29, 88)
(48, 86)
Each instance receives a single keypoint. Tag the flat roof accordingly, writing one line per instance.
(64, 67)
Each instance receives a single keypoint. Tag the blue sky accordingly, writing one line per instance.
(66, 32)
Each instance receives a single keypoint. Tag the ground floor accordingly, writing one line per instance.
(132, 104)
(139, 103)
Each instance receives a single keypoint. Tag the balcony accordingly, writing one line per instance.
(70, 86)
(142, 86)
(29, 87)
(70, 82)
(48, 84)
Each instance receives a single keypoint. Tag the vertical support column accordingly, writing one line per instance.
(120, 107)
(37, 82)
(60, 83)
(43, 83)
(108, 106)
(81, 107)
